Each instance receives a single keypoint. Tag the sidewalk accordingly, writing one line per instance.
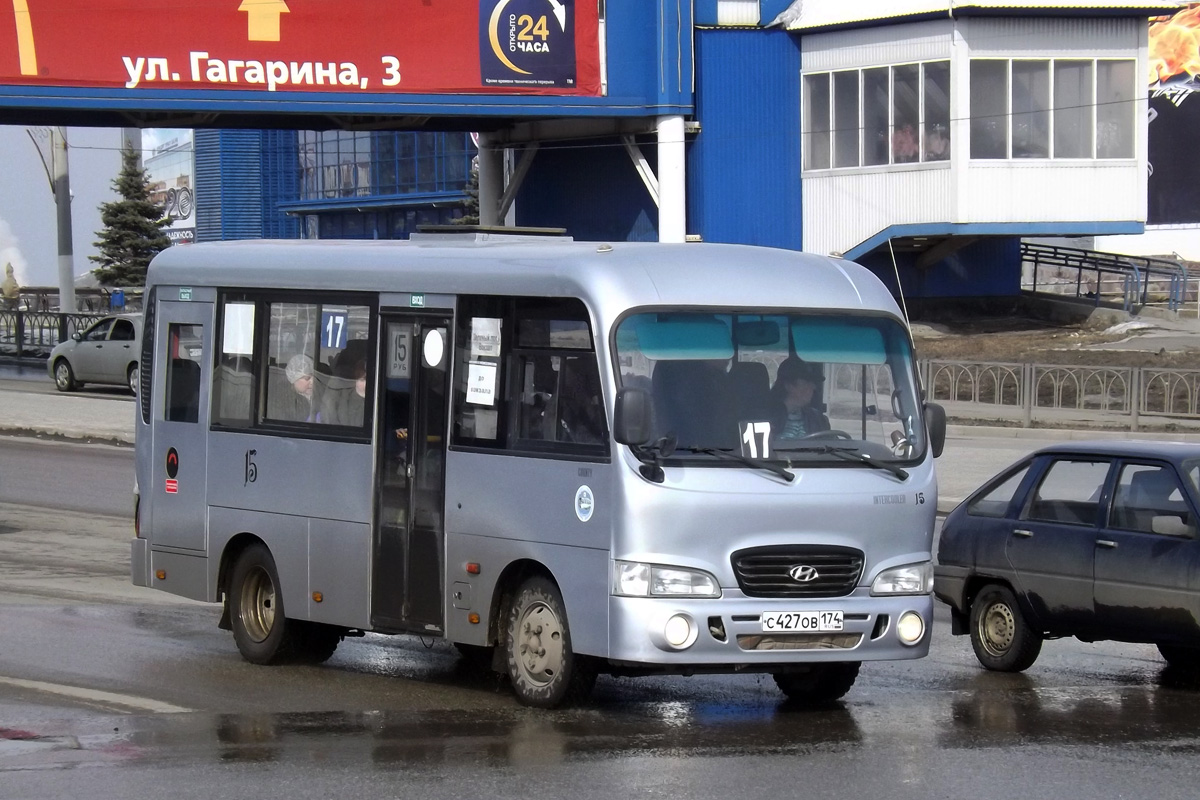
(973, 453)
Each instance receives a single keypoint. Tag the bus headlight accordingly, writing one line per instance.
(633, 579)
(910, 628)
(909, 579)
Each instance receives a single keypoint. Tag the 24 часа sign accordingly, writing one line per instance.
(527, 43)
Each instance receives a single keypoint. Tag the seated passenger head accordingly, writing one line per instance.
(299, 374)
(360, 378)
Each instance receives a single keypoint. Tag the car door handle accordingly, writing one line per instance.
(1023, 533)
(1107, 544)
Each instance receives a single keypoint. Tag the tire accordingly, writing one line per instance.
(264, 635)
(1180, 656)
(316, 641)
(1002, 638)
(822, 684)
(132, 378)
(544, 671)
(64, 376)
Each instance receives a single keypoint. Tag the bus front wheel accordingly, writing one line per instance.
(262, 633)
(544, 671)
(821, 684)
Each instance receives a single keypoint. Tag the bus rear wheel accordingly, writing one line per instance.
(262, 633)
(821, 684)
(544, 671)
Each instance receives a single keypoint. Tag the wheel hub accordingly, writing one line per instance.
(539, 644)
(998, 628)
(258, 605)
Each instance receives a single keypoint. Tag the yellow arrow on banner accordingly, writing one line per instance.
(25, 38)
(263, 18)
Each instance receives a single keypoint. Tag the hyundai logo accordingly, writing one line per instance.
(803, 573)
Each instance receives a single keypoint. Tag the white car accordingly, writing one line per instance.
(108, 352)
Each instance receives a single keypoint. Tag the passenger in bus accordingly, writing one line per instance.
(796, 387)
(301, 406)
(344, 402)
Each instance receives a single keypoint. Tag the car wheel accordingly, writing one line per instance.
(64, 376)
(1180, 656)
(262, 633)
(820, 685)
(132, 378)
(1002, 638)
(544, 671)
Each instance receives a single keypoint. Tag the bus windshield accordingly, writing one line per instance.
(800, 387)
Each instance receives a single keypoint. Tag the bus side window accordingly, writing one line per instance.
(183, 374)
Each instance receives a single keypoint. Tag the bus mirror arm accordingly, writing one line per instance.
(935, 423)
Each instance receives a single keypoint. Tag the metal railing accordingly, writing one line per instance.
(1132, 281)
(1053, 392)
(35, 333)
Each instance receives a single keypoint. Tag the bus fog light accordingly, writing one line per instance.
(679, 631)
(911, 627)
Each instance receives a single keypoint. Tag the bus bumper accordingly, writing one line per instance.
(139, 562)
(726, 634)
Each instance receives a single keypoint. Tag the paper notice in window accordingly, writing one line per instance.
(485, 337)
(481, 383)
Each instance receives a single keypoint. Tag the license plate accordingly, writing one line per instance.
(801, 621)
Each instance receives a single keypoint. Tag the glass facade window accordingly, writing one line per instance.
(845, 119)
(1053, 108)
(989, 108)
(1115, 108)
(876, 107)
(879, 116)
(816, 121)
(1031, 109)
(1074, 98)
(337, 164)
(937, 110)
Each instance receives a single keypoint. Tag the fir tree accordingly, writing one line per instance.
(132, 233)
(471, 204)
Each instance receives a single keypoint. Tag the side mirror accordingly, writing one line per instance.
(935, 424)
(631, 418)
(77, 336)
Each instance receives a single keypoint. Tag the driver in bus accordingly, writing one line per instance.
(796, 386)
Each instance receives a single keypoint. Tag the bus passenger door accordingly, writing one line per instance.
(179, 416)
(409, 532)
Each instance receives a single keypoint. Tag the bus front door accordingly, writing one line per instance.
(407, 569)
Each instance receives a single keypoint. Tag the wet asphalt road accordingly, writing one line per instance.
(130, 693)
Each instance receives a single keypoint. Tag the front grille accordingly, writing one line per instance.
(799, 641)
(764, 571)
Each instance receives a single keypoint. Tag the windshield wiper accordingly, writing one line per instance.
(853, 454)
(776, 469)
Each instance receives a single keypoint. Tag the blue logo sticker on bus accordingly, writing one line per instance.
(333, 329)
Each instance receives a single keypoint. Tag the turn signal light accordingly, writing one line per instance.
(472, 568)
(318, 597)
(473, 618)
(161, 574)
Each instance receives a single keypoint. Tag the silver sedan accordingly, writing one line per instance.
(107, 352)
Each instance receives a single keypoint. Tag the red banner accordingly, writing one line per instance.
(347, 46)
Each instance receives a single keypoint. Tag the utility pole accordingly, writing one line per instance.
(62, 202)
(51, 144)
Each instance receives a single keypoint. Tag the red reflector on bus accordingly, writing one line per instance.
(172, 486)
(472, 568)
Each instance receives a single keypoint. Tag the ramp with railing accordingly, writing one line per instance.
(1128, 282)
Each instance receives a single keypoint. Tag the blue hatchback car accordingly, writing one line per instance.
(1096, 540)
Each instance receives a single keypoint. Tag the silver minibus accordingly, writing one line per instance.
(565, 458)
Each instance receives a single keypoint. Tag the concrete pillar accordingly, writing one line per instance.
(491, 180)
(672, 183)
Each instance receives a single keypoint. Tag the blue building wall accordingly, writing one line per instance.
(592, 189)
(990, 267)
(229, 191)
(744, 166)
(280, 184)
